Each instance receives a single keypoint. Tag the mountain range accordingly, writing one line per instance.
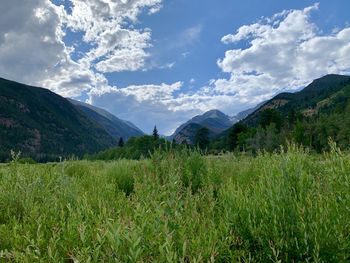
(44, 125)
(215, 121)
(309, 101)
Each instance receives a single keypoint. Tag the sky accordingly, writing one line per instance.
(161, 62)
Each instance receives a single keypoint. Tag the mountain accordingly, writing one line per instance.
(187, 134)
(243, 114)
(214, 120)
(308, 101)
(114, 126)
(44, 125)
(309, 117)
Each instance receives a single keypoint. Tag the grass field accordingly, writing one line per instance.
(178, 207)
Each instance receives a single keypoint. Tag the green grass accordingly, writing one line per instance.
(178, 207)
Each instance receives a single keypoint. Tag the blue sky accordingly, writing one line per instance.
(160, 62)
(196, 58)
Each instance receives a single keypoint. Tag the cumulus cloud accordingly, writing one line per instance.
(286, 51)
(116, 47)
(144, 105)
(33, 48)
(30, 40)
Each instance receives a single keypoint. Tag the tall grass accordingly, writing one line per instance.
(179, 207)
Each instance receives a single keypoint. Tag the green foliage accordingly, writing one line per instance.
(271, 116)
(195, 169)
(201, 139)
(234, 137)
(122, 175)
(310, 97)
(135, 148)
(26, 160)
(179, 206)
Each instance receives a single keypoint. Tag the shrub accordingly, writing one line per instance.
(123, 177)
(195, 169)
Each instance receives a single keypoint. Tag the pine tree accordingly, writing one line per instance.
(121, 142)
(202, 138)
(155, 133)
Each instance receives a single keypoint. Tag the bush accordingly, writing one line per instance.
(179, 207)
(26, 160)
(122, 177)
(195, 169)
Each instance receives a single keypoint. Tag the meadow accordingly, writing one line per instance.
(291, 206)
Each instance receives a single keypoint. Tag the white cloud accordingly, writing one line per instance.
(144, 105)
(118, 47)
(30, 40)
(286, 51)
(32, 48)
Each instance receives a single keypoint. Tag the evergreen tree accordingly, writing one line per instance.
(155, 133)
(234, 135)
(271, 116)
(202, 138)
(121, 142)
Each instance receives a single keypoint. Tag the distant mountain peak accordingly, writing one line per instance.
(214, 120)
(214, 114)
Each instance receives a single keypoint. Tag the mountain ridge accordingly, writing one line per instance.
(214, 120)
(115, 126)
(285, 102)
(43, 125)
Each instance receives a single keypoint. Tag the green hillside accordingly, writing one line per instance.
(114, 126)
(44, 126)
(305, 100)
(311, 117)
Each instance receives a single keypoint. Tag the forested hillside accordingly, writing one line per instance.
(309, 117)
(44, 125)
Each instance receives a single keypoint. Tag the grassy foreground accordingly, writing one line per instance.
(178, 207)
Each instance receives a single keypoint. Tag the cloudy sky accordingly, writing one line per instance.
(164, 61)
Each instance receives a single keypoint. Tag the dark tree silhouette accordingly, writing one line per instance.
(234, 132)
(121, 142)
(155, 133)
